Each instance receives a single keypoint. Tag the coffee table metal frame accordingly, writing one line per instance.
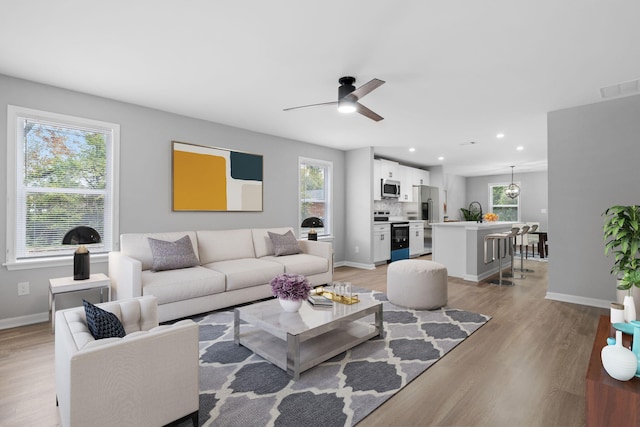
(296, 342)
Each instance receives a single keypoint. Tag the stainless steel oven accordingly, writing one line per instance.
(399, 240)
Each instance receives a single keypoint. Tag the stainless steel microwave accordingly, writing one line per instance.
(390, 188)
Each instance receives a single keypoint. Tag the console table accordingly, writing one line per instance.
(610, 402)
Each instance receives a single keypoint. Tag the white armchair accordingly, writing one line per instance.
(147, 378)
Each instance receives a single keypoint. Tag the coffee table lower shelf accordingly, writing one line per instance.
(309, 353)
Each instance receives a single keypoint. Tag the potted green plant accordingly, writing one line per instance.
(470, 215)
(622, 240)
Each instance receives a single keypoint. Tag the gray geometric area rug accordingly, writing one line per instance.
(239, 388)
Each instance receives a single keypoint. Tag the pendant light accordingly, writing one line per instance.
(512, 191)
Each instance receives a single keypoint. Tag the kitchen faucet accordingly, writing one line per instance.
(479, 206)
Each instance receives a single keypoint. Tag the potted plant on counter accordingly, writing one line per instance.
(622, 240)
(291, 290)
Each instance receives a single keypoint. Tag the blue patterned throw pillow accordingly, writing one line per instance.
(101, 323)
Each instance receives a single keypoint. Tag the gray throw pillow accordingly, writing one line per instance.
(172, 255)
(284, 244)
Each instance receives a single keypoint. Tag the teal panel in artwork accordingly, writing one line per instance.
(246, 166)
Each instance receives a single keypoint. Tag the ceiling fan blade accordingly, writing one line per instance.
(366, 88)
(367, 112)
(312, 105)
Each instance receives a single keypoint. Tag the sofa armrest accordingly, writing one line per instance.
(126, 276)
(156, 370)
(321, 249)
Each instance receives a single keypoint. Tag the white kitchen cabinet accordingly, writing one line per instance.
(389, 169)
(407, 177)
(416, 238)
(381, 242)
(421, 177)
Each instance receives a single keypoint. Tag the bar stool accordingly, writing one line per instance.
(533, 228)
(523, 231)
(501, 246)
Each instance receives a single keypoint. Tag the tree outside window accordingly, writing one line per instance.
(63, 168)
(314, 197)
(506, 208)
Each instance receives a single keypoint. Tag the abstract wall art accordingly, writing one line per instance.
(215, 179)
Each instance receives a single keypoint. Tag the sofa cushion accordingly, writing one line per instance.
(101, 323)
(172, 255)
(222, 245)
(304, 264)
(261, 241)
(244, 273)
(136, 245)
(183, 284)
(284, 244)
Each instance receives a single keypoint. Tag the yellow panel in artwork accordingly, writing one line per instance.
(199, 182)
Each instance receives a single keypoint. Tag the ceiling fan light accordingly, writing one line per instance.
(345, 106)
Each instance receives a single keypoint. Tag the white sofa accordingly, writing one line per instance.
(148, 378)
(236, 267)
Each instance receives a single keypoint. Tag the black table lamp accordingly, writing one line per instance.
(312, 222)
(81, 236)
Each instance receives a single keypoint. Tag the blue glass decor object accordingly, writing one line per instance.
(635, 348)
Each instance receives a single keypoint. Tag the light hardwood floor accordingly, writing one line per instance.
(525, 367)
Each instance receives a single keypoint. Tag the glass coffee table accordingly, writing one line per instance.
(299, 341)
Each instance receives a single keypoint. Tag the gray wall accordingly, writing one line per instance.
(456, 196)
(145, 179)
(594, 152)
(359, 208)
(533, 194)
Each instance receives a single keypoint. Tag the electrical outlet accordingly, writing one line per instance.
(23, 288)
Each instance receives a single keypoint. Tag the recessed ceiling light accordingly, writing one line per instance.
(441, 158)
(412, 149)
(519, 148)
(500, 135)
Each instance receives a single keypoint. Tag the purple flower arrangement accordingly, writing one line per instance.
(290, 286)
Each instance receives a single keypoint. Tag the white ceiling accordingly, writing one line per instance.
(455, 71)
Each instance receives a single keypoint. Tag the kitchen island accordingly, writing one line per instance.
(460, 247)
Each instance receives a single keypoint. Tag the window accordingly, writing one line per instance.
(315, 193)
(506, 208)
(62, 172)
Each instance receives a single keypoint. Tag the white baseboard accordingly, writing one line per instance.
(30, 319)
(593, 302)
(358, 265)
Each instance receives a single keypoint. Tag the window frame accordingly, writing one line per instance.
(14, 145)
(504, 185)
(328, 200)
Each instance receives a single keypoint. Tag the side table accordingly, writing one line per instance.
(610, 402)
(64, 285)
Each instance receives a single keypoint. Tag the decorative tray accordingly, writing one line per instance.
(338, 298)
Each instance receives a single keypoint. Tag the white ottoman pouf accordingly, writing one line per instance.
(417, 284)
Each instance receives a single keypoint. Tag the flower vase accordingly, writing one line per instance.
(619, 362)
(290, 306)
(629, 308)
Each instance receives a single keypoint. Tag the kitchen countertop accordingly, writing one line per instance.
(398, 220)
(473, 225)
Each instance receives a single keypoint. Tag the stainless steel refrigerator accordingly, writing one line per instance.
(428, 206)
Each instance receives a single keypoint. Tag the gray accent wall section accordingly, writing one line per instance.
(145, 179)
(533, 194)
(594, 152)
(359, 208)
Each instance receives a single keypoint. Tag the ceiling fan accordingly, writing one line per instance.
(348, 97)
